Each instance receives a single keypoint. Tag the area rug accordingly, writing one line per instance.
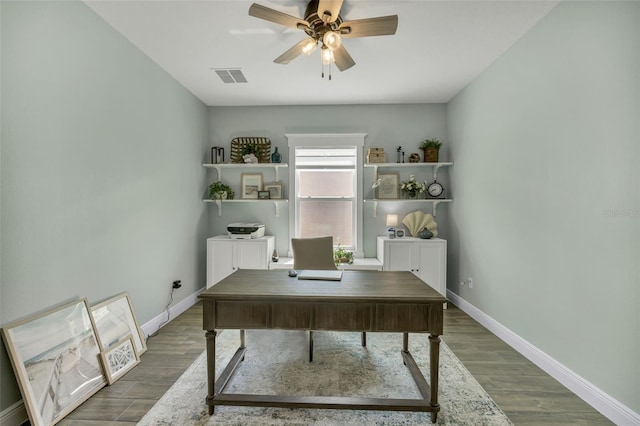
(276, 363)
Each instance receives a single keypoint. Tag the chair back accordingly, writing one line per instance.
(313, 253)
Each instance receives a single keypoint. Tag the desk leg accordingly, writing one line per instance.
(211, 368)
(242, 342)
(434, 366)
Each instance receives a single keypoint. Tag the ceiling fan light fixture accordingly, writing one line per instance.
(309, 46)
(327, 56)
(332, 40)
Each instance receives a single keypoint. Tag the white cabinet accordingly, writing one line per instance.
(425, 258)
(225, 255)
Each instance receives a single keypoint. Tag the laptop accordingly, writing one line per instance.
(313, 274)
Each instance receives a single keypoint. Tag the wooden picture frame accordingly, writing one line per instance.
(250, 185)
(275, 190)
(264, 195)
(115, 319)
(389, 188)
(56, 359)
(119, 358)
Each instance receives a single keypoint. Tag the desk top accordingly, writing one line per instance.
(361, 286)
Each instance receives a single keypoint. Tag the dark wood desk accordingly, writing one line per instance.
(363, 301)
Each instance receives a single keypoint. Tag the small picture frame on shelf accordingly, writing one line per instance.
(251, 185)
(389, 188)
(275, 190)
(399, 233)
(264, 195)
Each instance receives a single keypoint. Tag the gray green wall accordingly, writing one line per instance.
(100, 177)
(387, 126)
(546, 220)
(101, 186)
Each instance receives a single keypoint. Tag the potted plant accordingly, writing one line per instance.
(340, 255)
(412, 188)
(431, 147)
(220, 191)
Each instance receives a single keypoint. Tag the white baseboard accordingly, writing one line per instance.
(611, 408)
(14, 415)
(161, 319)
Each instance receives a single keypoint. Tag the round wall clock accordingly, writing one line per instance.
(435, 189)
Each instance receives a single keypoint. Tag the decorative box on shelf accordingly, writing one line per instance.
(376, 155)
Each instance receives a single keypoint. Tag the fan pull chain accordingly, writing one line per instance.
(322, 63)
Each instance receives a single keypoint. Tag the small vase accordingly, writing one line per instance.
(412, 195)
(274, 256)
(425, 234)
(276, 157)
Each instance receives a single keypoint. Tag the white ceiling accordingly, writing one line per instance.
(439, 47)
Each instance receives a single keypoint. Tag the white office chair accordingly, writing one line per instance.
(315, 253)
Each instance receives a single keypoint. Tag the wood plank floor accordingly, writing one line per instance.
(525, 393)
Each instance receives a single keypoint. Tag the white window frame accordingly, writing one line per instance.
(327, 140)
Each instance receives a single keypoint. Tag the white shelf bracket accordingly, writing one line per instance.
(375, 209)
(435, 207)
(219, 204)
(277, 171)
(219, 170)
(275, 203)
(435, 174)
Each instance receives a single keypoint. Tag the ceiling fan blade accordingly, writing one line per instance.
(273, 15)
(344, 61)
(329, 10)
(291, 54)
(383, 25)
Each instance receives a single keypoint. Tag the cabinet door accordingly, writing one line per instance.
(252, 255)
(398, 256)
(222, 259)
(432, 266)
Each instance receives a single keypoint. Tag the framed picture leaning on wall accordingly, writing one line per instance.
(115, 319)
(56, 360)
(119, 358)
(251, 184)
(389, 188)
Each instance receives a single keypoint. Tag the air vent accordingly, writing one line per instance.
(230, 75)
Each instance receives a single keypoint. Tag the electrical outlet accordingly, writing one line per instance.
(470, 282)
(176, 284)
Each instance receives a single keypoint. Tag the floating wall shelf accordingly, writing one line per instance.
(434, 201)
(220, 166)
(276, 203)
(436, 166)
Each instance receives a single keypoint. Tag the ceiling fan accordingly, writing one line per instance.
(323, 25)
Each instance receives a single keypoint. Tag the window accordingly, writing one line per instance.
(325, 191)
